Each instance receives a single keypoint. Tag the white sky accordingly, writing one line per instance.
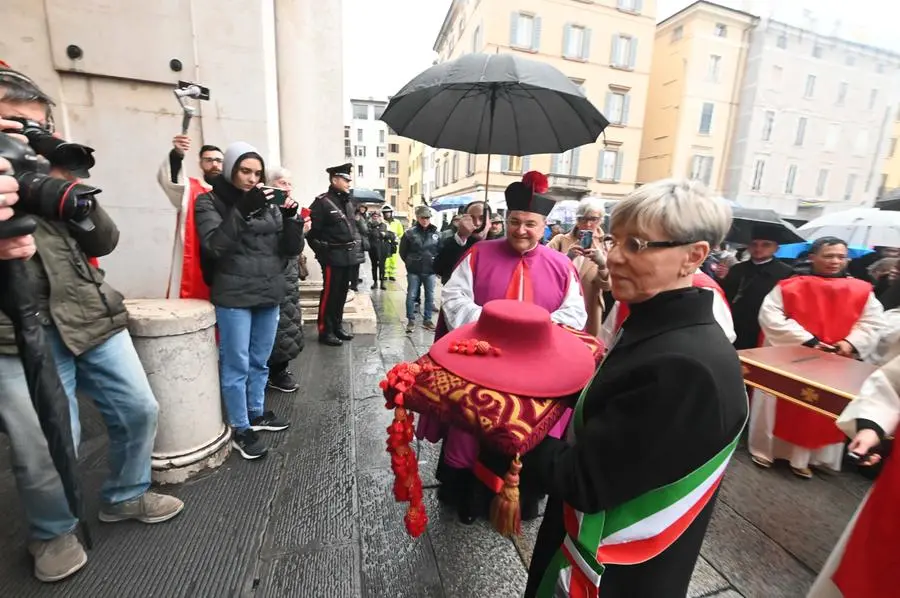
(388, 42)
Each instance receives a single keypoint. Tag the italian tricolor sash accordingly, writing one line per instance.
(631, 533)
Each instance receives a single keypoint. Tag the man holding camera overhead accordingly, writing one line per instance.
(85, 323)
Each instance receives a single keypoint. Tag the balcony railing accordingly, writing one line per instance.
(569, 182)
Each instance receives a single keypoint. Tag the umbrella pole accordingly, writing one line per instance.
(487, 176)
(487, 179)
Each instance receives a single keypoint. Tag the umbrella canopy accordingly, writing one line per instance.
(495, 104)
(861, 227)
(746, 220)
(793, 250)
(366, 196)
(451, 202)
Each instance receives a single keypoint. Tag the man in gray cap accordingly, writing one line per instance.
(418, 248)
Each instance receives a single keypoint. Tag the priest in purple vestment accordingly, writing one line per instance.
(514, 267)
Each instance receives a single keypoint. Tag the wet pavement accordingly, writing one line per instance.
(317, 519)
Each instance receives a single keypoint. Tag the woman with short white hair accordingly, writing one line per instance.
(633, 487)
(584, 246)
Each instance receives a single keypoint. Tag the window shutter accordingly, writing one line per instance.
(638, 5)
(586, 45)
(513, 27)
(554, 164)
(567, 37)
(632, 58)
(536, 34)
(607, 106)
(600, 166)
(504, 164)
(574, 161)
(614, 51)
(618, 176)
(625, 104)
(526, 164)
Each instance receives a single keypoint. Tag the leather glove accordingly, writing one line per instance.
(251, 202)
(289, 212)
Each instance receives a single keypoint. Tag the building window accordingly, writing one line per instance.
(524, 31)
(360, 171)
(677, 34)
(379, 110)
(862, 143)
(791, 179)
(768, 123)
(609, 168)
(380, 136)
(381, 172)
(360, 151)
(624, 52)
(777, 76)
(360, 135)
(821, 182)
(781, 42)
(393, 167)
(576, 42)
(477, 41)
(348, 149)
(445, 172)
(629, 5)
(393, 148)
(893, 147)
(848, 190)
(873, 97)
(701, 168)
(393, 182)
(817, 51)
(712, 73)
(379, 151)
(832, 136)
(470, 164)
(842, 93)
(721, 30)
(360, 112)
(455, 166)
(511, 164)
(565, 163)
(706, 116)
(616, 109)
(758, 170)
(810, 86)
(801, 131)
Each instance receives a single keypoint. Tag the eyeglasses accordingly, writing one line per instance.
(212, 160)
(589, 218)
(637, 245)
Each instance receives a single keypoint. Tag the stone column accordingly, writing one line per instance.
(309, 47)
(175, 340)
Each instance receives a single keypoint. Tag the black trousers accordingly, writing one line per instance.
(354, 276)
(336, 283)
(378, 263)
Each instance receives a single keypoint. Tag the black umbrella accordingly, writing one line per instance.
(748, 221)
(366, 196)
(17, 301)
(495, 104)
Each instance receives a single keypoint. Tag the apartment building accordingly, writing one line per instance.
(398, 192)
(814, 122)
(890, 174)
(699, 58)
(368, 144)
(604, 46)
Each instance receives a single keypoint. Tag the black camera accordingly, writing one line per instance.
(43, 195)
(74, 157)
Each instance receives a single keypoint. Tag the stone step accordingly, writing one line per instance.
(313, 305)
(359, 313)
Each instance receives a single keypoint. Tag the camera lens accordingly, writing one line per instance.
(55, 199)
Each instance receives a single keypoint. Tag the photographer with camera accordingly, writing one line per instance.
(85, 321)
(185, 276)
(20, 247)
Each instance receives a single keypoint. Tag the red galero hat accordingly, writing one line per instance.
(515, 348)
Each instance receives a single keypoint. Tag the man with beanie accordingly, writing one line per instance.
(418, 248)
(337, 243)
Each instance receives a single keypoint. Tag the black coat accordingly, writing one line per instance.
(450, 254)
(418, 248)
(247, 255)
(666, 400)
(382, 242)
(745, 287)
(334, 235)
(289, 338)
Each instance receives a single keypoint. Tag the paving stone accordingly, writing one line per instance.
(315, 503)
(474, 560)
(753, 563)
(370, 422)
(806, 517)
(705, 580)
(393, 563)
(331, 572)
(429, 454)
(329, 373)
(367, 368)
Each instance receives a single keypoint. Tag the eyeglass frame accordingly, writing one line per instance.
(609, 244)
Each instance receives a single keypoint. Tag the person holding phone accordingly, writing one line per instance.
(245, 238)
(584, 246)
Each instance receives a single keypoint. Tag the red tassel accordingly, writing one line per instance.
(506, 515)
(537, 181)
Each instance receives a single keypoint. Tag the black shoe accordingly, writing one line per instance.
(248, 444)
(343, 334)
(283, 381)
(330, 339)
(354, 288)
(375, 285)
(269, 422)
(391, 278)
(383, 286)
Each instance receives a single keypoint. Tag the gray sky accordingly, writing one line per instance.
(388, 42)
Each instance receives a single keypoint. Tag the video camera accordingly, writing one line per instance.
(41, 194)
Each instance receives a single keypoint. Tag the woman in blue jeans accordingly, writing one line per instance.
(245, 241)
